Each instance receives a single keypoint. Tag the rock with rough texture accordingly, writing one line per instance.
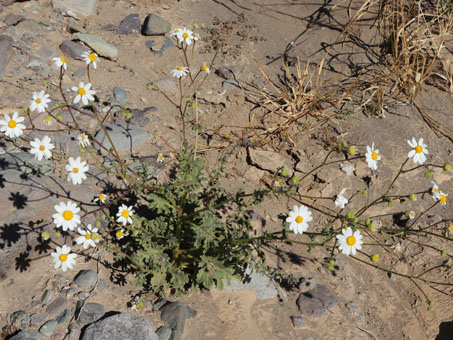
(297, 321)
(90, 313)
(64, 316)
(164, 333)
(57, 305)
(27, 335)
(86, 278)
(6, 47)
(130, 24)
(120, 95)
(155, 25)
(73, 49)
(165, 84)
(175, 315)
(125, 137)
(316, 301)
(270, 160)
(122, 326)
(259, 283)
(48, 328)
(12, 19)
(100, 46)
(76, 8)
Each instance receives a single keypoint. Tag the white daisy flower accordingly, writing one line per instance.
(83, 93)
(160, 158)
(176, 33)
(39, 101)
(435, 191)
(11, 126)
(90, 58)
(89, 237)
(124, 214)
(299, 218)
(77, 170)
(60, 61)
(179, 72)
(41, 148)
(62, 257)
(205, 68)
(419, 151)
(83, 139)
(101, 198)
(443, 198)
(119, 234)
(66, 216)
(372, 156)
(411, 214)
(186, 36)
(340, 200)
(350, 242)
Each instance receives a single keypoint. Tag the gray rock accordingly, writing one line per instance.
(130, 24)
(32, 5)
(82, 295)
(86, 278)
(164, 333)
(16, 316)
(307, 284)
(316, 301)
(109, 27)
(48, 328)
(125, 137)
(90, 313)
(12, 19)
(64, 316)
(6, 47)
(162, 302)
(175, 315)
(75, 8)
(138, 116)
(46, 296)
(57, 305)
(29, 27)
(297, 321)
(225, 72)
(37, 319)
(230, 84)
(99, 45)
(122, 326)
(259, 283)
(352, 306)
(73, 49)
(75, 333)
(155, 25)
(24, 162)
(27, 335)
(270, 160)
(168, 44)
(120, 95)
(74, 27)
(165, 84)
(60, 278)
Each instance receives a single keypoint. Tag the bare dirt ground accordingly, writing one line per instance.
(386, 308)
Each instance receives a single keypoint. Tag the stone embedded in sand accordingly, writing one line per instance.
(175, 315)
(125, 137)
(270, 160)
(48, 328)
(86, 278)
(75, 8)
(120, 327)
(27, 335)
(155, 25)
(6, 47)
(316, 301)
(73, 49)
(89, 313)
(99, 46)
(130, 24)
(12, 19)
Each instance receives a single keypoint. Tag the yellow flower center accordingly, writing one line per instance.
(125, 213)
(68, 215)
(63, 60)
(94, 236)
(75, 170)
(350, 240)
(185, 35)
(101, 197)
(179, 68)
(443, 199)
(92, 57)
(204, 67)
(63, 257)
(374, 156)
(42, 148)
(451, 227)
(38, 100)
(119, 234)
(12, 124)
(375, 258)
(435, 190)
(418, 149)
(87, 236)
(82, 91)
(299, 219)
